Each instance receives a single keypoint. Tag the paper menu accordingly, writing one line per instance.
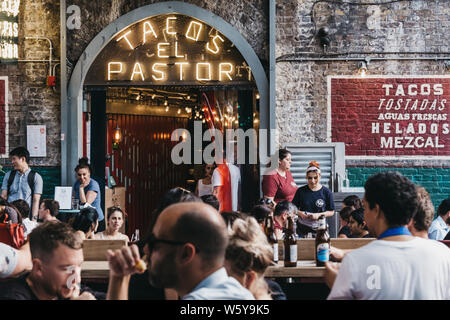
(64, 196)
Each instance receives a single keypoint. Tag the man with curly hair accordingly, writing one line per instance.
(397, 265)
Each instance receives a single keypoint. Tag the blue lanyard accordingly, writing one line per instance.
(395, 232)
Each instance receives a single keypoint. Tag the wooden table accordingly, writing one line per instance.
(304, 269)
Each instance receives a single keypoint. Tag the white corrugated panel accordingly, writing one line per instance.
(302, 156)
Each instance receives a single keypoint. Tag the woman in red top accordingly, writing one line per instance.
(279, 184)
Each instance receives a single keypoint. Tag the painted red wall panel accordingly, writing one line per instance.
(3, 102)
(143, 158)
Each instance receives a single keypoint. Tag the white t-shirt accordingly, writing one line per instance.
(235, 174)
(204, 189)
(418, 269)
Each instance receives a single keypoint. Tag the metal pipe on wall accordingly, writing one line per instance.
(63, 86)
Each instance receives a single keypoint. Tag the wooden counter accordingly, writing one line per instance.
(304, 269)
(100, 270)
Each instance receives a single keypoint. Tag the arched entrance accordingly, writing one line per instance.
(72, 125)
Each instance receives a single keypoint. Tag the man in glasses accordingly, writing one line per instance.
(187, 250)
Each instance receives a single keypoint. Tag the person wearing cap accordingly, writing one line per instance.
(312, 200)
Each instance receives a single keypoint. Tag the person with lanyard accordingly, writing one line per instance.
(393, 266)
(87, 190)
(279, 185)
(312, 200)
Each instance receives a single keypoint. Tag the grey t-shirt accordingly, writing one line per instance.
(20, 188)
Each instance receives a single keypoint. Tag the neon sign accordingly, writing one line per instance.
(9, 30)
(169, 49)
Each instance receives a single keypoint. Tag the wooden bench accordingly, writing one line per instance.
(95, 250)
(306, 247)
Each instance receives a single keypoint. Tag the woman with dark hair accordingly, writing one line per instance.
(344, 219)
(116, 218)
(352, 201)
(279, 185)
(86, 222)
(204, 185)
(312, 200)
(87, 190)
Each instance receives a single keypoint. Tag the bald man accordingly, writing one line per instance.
(187, 252)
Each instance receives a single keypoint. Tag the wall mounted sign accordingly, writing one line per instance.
(4, 117)
(9, 30)
(171, 49)
(37, 140)
(390, 116)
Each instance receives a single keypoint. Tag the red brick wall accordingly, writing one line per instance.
(391, 116)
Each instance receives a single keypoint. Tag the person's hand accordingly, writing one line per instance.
(122, 262)
(331, 271)
(314, 216)
(83, 184)
(302, 215)
(336, 254)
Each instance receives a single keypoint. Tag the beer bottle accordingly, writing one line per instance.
(266, 226)
(322, 242)
(272, 238)
(290, 245)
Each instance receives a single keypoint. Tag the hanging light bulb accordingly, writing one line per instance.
(117, 137)
(362, 71)
(179, 111)
(167, 109)
(257, 96)
(166, 102)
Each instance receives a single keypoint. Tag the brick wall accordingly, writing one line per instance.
(435, 180)
(30, 101)
(249, 17)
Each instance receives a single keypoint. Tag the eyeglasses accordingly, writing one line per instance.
(152, 241)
